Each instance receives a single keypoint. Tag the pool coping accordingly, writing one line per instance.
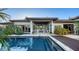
(31, 35)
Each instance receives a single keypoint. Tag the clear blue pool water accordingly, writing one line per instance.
(32, 44)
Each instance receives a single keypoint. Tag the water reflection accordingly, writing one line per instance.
(31, 42)
(19, 44)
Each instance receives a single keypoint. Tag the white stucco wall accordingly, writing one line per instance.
(26, 24)
(61, 24)
(55, 24)
(3, 26)
(22, 23)
(58, 24)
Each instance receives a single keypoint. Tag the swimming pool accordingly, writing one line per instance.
(32, 44)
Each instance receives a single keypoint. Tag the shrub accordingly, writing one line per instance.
(18, 30)
(61, 31)
(9, 30)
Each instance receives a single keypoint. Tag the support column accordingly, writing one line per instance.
(75, 29)
(52, 26)
(31, 27)
(49, 28)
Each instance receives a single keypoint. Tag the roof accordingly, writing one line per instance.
(74, 18)
(27, 19)
(64, 21)
(4, 23)
(42, 18)
(19, 21)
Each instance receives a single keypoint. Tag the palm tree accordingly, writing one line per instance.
(3, 15)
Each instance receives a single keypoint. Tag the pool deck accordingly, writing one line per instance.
(72, 43)
(76, 37)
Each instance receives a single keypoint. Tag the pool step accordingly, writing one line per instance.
(55, 45)
(49, 46)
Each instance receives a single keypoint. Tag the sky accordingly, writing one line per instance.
(61, 13)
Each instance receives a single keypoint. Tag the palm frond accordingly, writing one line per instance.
(4, 16)
(1, 16)
(2, 9)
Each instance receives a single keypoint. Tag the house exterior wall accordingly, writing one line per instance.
(3, 26)
(61, 24)
(51, 24)
(58, 24)
(22, 23)
(51, 29)
(26, 24)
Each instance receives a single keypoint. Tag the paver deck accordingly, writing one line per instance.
(72, 43)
